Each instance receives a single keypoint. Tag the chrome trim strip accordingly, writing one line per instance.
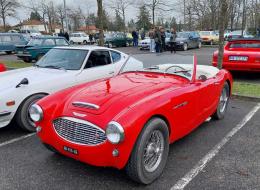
(85, 105)
(82, 122)
(3, 114)
(180, 105)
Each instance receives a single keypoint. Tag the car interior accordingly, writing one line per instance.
(98, 58)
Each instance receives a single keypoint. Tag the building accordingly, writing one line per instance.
(34, 25)
(91, 29)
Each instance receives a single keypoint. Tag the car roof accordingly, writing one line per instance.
(87, 47)
(245, 39)
(48, 37)
(9, 33)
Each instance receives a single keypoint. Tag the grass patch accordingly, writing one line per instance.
(246, 89)
(16, 64)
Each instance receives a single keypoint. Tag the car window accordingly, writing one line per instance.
(35, 42)
(98, 58)
(115, 56)
(76, 35)
(245, 45)
(6, 38)
(49, 42)
(61, 42)
(16, 38)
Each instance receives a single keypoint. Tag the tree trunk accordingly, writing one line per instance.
(222, 22)
(100, 18)
(4, 23)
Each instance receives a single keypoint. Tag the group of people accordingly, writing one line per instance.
(157, 36)
(65, 35)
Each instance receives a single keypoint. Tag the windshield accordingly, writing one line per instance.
(35, 42)
(68, 59)
(245, 45)
(183, 35)
(181, 65)
(205, 33)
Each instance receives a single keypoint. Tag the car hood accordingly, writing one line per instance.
(10, 79)
(181, 39)
(120, 92)
(146, 41)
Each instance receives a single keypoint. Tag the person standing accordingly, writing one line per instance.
(66, 36)
(152, 42)
(90, 38)
(173, 40)
(158, 40)
(135, 38)
(163, 37)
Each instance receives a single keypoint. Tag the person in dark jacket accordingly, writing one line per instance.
(173, 40)
(66, 36)
(135, 38)
(158, 40)
(163, 37)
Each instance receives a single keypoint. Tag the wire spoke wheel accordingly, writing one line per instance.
(223, 100)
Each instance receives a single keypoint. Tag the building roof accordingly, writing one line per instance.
(32, 22)
(90, 27)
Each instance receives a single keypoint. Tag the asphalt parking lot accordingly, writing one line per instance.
(26, 164)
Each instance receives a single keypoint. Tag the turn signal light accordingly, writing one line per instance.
(11, 103)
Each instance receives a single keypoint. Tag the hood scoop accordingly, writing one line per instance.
(86, 105)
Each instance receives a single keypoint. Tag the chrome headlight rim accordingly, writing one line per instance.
(34, 110)
(119, 129)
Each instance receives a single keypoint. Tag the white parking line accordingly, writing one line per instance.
(16, 140)
(183, 182)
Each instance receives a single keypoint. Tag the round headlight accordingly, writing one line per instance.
(36, 113)
(115, 132)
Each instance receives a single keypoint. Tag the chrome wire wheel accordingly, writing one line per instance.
(153, 151)
(223, 100)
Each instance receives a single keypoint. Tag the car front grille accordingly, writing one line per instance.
(79, 131)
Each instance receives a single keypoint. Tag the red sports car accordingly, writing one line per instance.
(2, 67)
(240, 55)
(128, 121)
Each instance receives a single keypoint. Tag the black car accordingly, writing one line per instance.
(187, 40)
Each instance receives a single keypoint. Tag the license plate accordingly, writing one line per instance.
(238, 58)
(71, 150)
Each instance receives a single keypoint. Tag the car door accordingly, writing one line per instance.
(7, 43)
(98, 65)
(47, 45)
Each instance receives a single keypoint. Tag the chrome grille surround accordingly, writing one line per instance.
(79, 131)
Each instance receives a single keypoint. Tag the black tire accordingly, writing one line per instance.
(71, 42)
(85, 42)
(220, 111)
(199, 45)
(27, 60)
(211, 43)
(8, 52)
(22, 115)
(135, 167)
(39, 57)
(50, 148)
(185, 47)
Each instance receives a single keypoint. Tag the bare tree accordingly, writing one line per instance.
(61, 15)
(100, 17)
(7, 9)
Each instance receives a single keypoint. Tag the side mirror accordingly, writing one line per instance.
(23, 82)
(203, 78)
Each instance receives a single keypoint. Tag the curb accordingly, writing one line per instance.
(246, 98)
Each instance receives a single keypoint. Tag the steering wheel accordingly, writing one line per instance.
(183, 70)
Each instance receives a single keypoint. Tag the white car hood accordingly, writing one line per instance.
(44, 76)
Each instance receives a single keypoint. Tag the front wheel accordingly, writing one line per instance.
(223, 103)
(199, 45)
(23, 117)
(185, 47)
(150, 153)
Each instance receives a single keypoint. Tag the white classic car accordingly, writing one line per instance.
(79, 38)
(60, 68)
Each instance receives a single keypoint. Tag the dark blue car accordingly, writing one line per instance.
(9, 41)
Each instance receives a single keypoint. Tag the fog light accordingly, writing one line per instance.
(38, 129)
(115, 153)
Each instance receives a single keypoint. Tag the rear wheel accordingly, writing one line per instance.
(27, 59)
(84, 42)
(199, 45)
(150, 153)
(185, 47)
(8, 52)
(223, 103)
(71, 42)
(23, 117)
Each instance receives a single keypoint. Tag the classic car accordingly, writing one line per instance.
(240, 55)
(145, 44)
(2, 67)
(237, 34)
(38, 47)
(209, 37)
(128, 121)
(187, 40)
(79, 38)
(8, 41)
(60, 68)
(117, 40)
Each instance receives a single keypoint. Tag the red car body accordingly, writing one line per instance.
(240, 55)
(2, 67)
(131, 99)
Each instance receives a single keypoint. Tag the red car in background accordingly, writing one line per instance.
(2, 67)
(240, 55)
(128, 121)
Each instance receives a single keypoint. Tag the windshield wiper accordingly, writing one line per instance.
(54, 67)
(152, 68)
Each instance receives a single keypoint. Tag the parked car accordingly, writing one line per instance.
(60, 68)
(117, 40)
(145, 44)
(128, 121)
(2, 67)
(209, 37)
(79, 38)
(38, 47)
(187, 40)
(237, 34)
(240, 55)
(8, 41)
(28, 34)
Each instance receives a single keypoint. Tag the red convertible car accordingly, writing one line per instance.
(128, 121)
(2, 67)
(240, 55)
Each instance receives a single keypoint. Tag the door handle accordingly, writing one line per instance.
(217, 83)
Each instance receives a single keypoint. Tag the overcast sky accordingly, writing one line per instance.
(87, 5)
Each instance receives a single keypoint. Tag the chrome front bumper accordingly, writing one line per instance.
(5, 118)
